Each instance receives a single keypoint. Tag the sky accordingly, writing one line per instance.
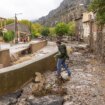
(27, 9)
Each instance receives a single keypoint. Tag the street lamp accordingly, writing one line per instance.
(16, 27)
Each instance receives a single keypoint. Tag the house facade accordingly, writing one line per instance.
(89, 26)
(22, 32)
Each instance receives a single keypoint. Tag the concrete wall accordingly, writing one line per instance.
(34, 47)
(1, 39)
(12, 78)
(5, 57)
(37, 46)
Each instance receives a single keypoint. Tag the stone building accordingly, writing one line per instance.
(89, 25)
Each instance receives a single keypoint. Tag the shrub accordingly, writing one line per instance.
(8, 36)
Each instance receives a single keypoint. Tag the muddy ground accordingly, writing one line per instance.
(85, 87)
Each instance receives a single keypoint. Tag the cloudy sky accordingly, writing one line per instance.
(30, 9)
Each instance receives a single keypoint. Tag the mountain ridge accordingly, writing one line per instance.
(67, 11)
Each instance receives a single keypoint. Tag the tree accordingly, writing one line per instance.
(45, 31)
(98, 7)
(36, 29)
(61, 29)
(26, 22)
(9, 21)
(72, 28)
(8, 36)
(52, 31)
(52, 34)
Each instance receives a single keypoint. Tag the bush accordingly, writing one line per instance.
(45, 31)
(8, 36)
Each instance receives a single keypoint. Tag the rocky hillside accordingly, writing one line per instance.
(68, 10)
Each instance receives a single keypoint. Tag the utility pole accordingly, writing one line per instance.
(16, 28)
(31, 29)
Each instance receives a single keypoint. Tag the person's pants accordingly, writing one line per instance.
(60, 63)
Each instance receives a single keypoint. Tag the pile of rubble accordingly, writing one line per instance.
(40, 90)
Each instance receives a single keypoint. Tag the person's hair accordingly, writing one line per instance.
(58, 42)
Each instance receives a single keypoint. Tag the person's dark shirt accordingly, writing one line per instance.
(62, 51)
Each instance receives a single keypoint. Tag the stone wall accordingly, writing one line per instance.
(5, 57)
(13, 77)
(37, 46)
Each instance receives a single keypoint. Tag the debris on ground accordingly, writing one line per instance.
(85, 87)
(42, 87)
(47, 100)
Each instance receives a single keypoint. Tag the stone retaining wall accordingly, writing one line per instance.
(12, 78)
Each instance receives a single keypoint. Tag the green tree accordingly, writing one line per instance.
(8, 36)
(52, 34)
(98, 7)
(72, 28)
(61, 29)
(45, 31)
(9, 21)
(36, 29)
(26, 22)
(52, 31)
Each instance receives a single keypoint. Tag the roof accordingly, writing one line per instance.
(3, 18)
(21, 27)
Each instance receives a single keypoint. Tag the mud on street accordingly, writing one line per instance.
(86, 86)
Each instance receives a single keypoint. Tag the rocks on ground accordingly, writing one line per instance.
(86, 86)
(47, 100)
(10, 99)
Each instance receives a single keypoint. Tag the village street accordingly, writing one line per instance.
(38, 38)
(86, 86)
